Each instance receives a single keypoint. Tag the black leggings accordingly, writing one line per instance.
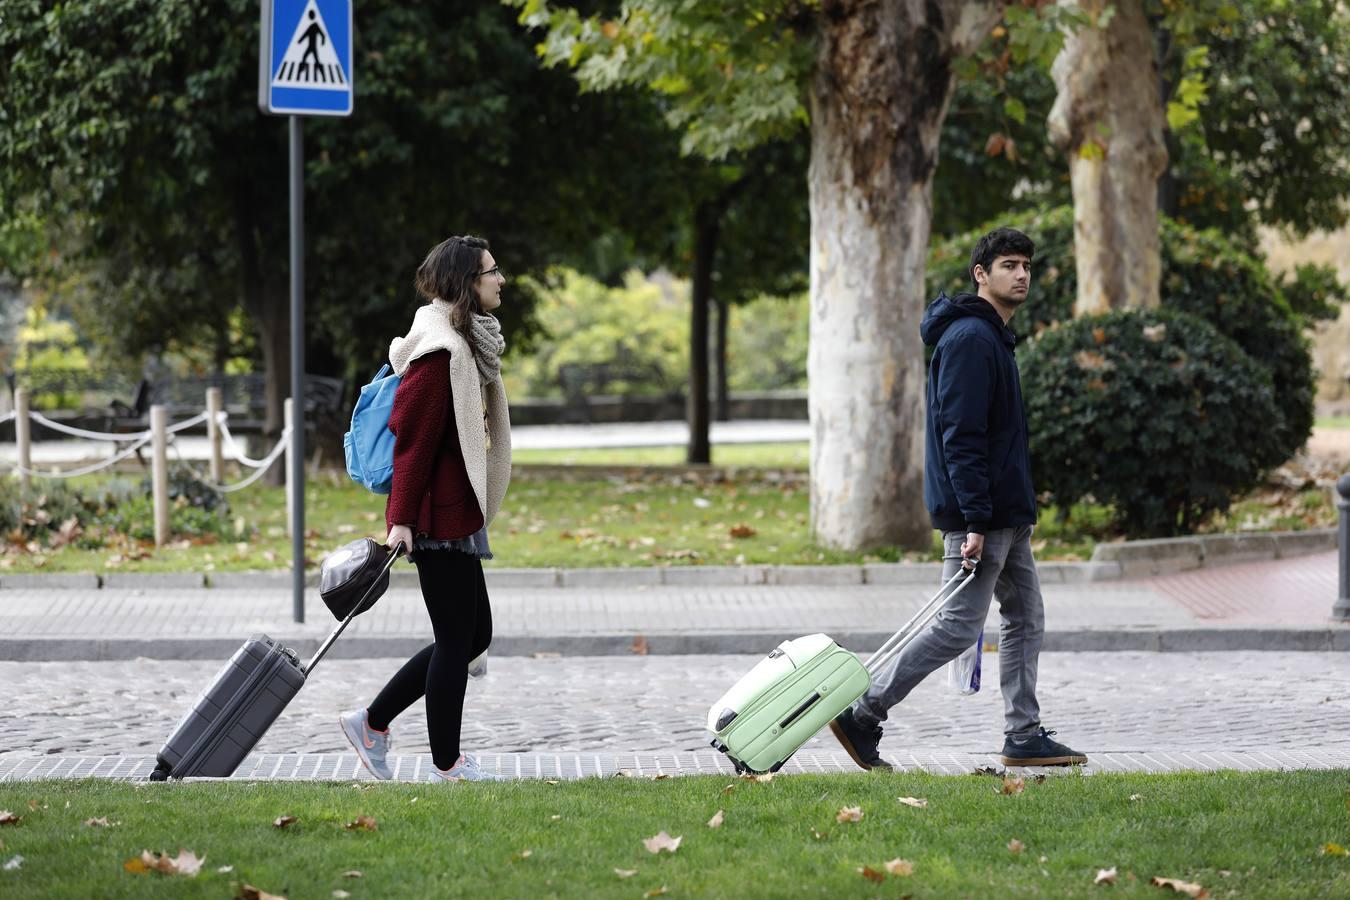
(456, 597)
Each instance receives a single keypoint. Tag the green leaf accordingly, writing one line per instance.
(1015, 110)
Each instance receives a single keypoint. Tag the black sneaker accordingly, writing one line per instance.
(1040, 750)
(859, 740)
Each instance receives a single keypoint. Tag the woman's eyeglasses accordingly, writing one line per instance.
(495, 270)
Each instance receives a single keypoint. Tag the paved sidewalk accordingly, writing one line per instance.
(1273, 605)
(1127, 711)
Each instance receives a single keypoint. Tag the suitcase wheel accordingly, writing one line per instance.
(161, 773)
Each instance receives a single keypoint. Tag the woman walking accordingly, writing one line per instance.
(452, 463)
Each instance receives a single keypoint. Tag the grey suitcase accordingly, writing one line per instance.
(243, 701)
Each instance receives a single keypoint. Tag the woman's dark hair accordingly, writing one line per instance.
(999, 242)
(449, 272)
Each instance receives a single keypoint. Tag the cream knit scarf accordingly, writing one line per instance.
(485, 334)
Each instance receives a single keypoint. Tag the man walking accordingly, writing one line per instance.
(977, 486)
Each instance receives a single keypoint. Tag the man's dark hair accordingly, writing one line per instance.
(999, 242)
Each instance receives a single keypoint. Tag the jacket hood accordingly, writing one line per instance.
(943, 311)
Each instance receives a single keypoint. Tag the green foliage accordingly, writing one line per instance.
(1155, 413)
(1273, 143)
(732, 73)
(1314, 291)
(1208, 275)
(56, 514)
(641, 327)
(767, 344)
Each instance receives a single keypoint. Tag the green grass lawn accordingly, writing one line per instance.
(1236, 834)
(752, 509)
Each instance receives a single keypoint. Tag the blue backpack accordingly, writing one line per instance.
(369, 446)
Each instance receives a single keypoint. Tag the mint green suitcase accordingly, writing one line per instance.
(799, 687)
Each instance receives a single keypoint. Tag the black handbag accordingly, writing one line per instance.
(355, 575)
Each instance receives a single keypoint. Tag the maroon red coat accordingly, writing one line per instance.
(431, 491)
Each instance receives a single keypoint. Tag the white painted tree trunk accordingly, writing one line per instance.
(1108, 120)
(879, 97)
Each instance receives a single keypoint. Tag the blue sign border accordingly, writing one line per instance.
(290, 101)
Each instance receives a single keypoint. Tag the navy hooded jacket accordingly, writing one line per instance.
(977, 471)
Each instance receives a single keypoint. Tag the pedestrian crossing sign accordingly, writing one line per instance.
(305, 58)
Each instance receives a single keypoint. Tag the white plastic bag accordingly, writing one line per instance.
(963, 673)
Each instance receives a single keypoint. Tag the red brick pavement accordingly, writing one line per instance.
(1285, 592)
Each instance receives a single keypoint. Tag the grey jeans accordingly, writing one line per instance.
(1008, 570)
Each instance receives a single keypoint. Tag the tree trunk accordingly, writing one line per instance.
(707, 222)
(882, 84)
(1108, 119)
(722, 406)
(265, 296)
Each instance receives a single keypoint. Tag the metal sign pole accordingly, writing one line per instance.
(298, 368)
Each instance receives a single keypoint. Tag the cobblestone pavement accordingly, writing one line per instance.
(1098, 702)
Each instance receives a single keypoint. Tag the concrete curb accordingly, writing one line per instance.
(1110, 562)
(1186, 640)
(1165, 556)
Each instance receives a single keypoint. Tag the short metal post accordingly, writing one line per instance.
(159, 440)
(1342, 608)
(23, 435)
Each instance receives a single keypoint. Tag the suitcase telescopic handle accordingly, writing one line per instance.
(910, 630)
(399, 549)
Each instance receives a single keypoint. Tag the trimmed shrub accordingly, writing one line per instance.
(1204, 273)
(1152, 412)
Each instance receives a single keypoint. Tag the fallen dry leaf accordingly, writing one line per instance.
(662, 841)
(12, 863)
(871, 874)
(625, 873)
(224, 870)
(555, 818)
(1134, 797)
(902, 867)
(1012, 784)
(362, 823)
(524, 854)
(1016, 846)
(352, 874)
(283, 821)
(1105, 876)
(101, 821)
(729, 788)
(639, 647)
(341, 894)
(8, 818)
(656, 892)
(185, 863)
(987, 770)
(819, 835)
(551, 781)
(660, 776)
(916, 802)
(716, 820)
(1190, 889)
(249, 892)
(1334, 850)
(849, 814)
(765, 778)
(32, 805)
(743, 531)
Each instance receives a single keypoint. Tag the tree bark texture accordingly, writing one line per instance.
(1108, 119)
(883, 81)
(265, 295)
(707, 225)
(722, 404)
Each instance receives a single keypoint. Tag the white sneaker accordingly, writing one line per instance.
(371, 746)
(465, 769)
(478, 665)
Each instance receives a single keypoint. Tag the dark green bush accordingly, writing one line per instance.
(1204, 273)
(1152, 412)
(37, 514)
